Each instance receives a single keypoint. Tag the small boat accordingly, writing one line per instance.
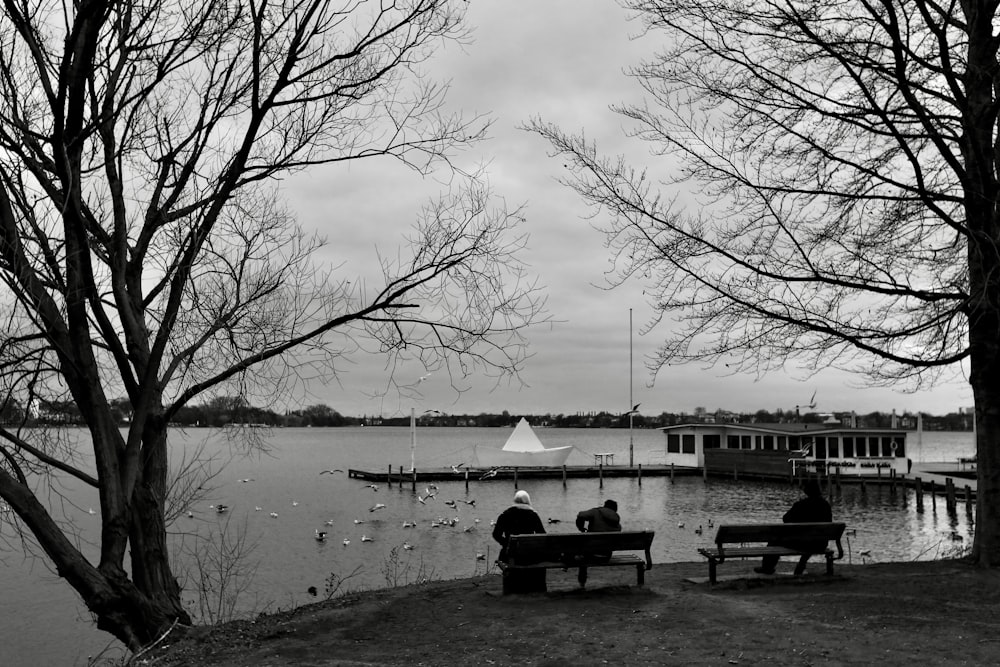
(522, 449)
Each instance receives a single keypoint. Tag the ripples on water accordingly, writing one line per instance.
(290, 560)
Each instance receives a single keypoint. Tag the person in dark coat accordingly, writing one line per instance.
(598, 520)
(519, 519)
(813, 508)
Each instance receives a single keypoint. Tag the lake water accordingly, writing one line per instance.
(43, 622)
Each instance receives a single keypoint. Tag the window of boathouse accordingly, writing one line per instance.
(819, 447)
(732, 442)
(833, 447)
(848, 447)
(861, 450)
(673, 443)
(687, 444)
(769, 442)
(746, 442)
(873, 446)
(711, 441)
(783, 443)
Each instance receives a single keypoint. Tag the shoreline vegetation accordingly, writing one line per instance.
(920, 612)
(235, 412)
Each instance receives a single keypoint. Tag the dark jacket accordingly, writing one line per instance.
(515, 520)
(810, 509)
(598, 520)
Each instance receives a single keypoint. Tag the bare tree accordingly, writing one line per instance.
(825, 195)
(146, 254)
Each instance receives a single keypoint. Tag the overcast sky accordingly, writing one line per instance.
(561, 60)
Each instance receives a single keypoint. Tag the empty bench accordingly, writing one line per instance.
(756, 540)
(577, 550)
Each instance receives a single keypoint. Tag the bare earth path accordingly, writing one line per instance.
(932, 613)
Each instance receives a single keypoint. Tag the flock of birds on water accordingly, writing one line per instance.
(429, 493)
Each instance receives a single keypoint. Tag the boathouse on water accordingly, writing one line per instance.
(781, 449)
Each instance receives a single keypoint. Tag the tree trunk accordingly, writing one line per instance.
(985, 382)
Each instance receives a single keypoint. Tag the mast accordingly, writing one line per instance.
(413, 437)
(631, 402)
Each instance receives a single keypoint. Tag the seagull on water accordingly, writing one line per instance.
(190, 514)
(697, 531)
(274, 515)
(221, 508)
(468, 529)
(407, 546)
(346, 541)
(365, 538)
(480, 556)
(359, 521)
(295, 503)
(409, 524)
(320, 535)
(451, 504)
(471, 503)
(329, 522)
(551, 520)
(257, 508)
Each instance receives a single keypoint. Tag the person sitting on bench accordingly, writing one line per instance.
(598, 520)
(813, 508)
(519, 519)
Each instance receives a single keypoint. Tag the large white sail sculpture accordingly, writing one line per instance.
(522, 449)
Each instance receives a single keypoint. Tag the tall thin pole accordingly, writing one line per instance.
(413, 437)
(631, 402)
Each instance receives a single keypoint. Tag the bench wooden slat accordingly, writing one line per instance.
(797, 539)
(579, 550)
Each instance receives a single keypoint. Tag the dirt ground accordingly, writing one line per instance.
(936, 613)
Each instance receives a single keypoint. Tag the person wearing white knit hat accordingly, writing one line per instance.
(519, 519)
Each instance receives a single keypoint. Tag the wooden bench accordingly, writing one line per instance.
(578, 550)
(746, 535)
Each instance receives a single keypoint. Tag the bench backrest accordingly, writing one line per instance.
(778, 532)
(565, 546)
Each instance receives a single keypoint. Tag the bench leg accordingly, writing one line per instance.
(711, 570)
(829, 565)
(640, 574)
(582, 576)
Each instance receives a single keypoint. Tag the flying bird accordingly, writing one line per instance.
(635, 409)
(376, 507)
(492, 472)
(451, 504)
(373, 487)
(470, 502)
(811, 404)
(457, 469)
(330, 472)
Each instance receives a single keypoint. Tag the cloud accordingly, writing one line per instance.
(563, 61)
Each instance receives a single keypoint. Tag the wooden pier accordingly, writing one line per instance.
(932, 479)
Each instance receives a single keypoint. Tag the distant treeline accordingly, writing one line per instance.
(227, 411)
